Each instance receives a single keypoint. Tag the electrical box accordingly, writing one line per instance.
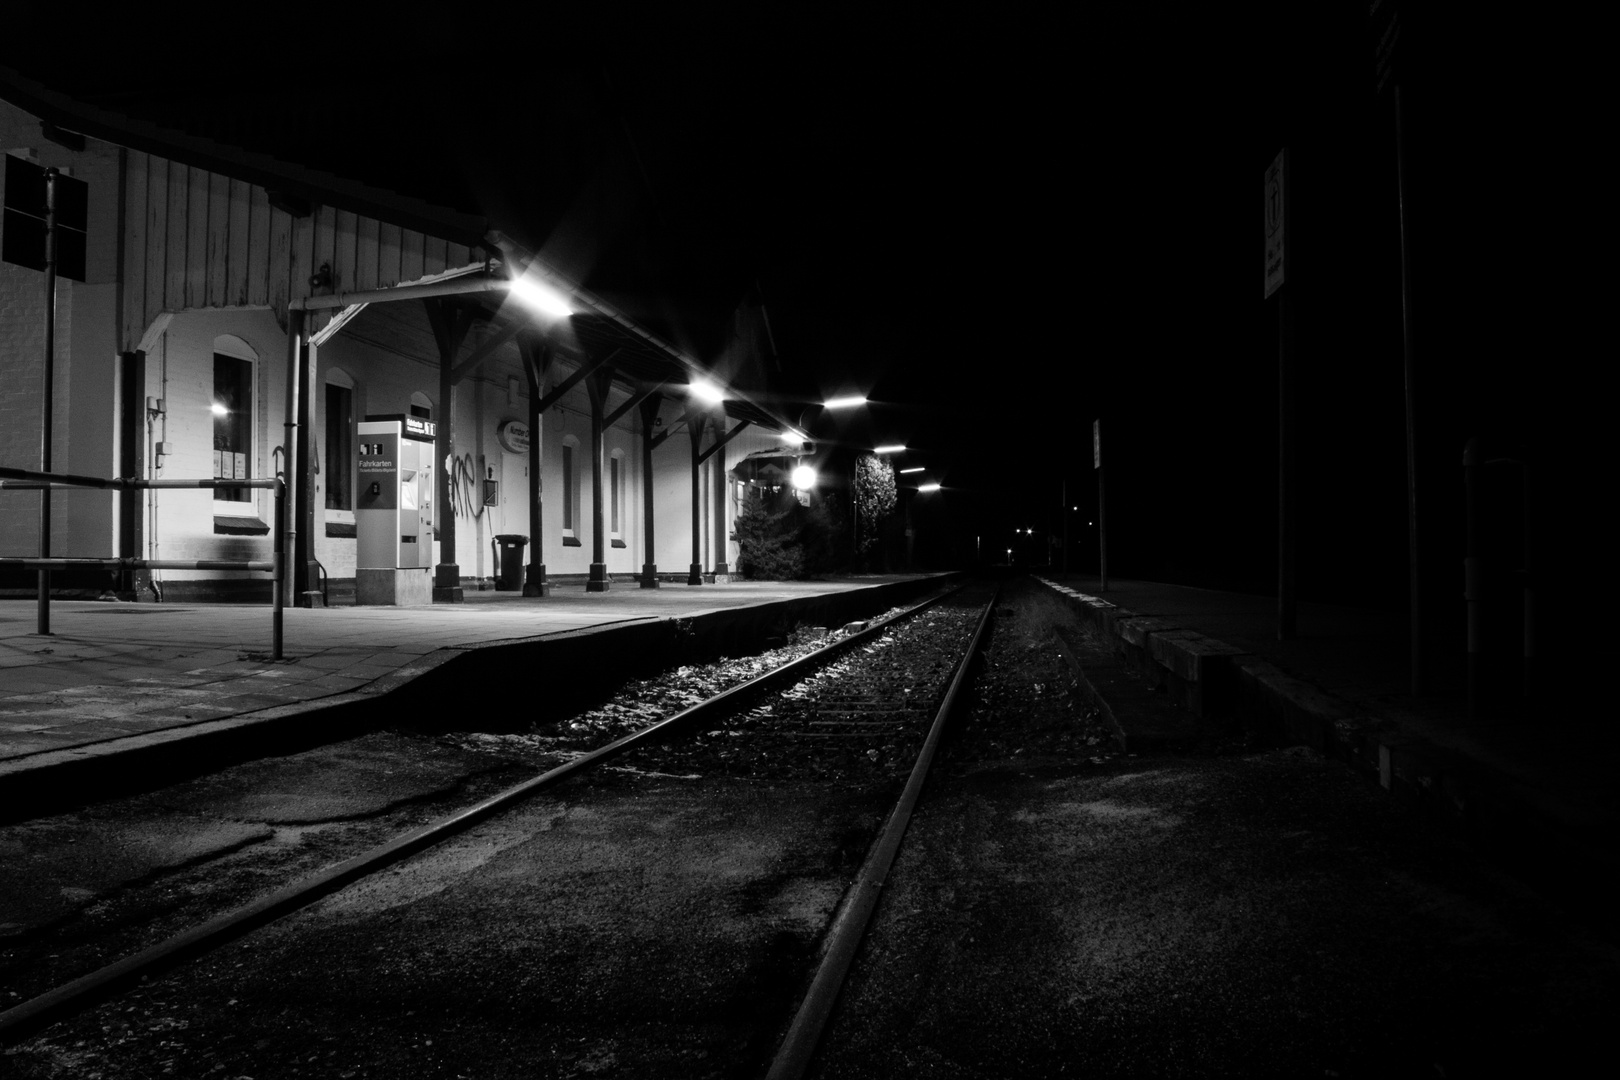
(393, 510)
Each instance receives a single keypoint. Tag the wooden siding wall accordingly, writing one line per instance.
(197, 239)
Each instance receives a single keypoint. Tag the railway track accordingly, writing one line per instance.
(867, 709)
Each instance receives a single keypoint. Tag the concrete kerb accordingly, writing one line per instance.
(511, 677)
(1529, 830)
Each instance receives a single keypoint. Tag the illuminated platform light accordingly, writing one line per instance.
(540, 297)
(218, 409)
(850, 402)
(914, 468)
(897, 448)
(927, 487)
(706, 391)
(804, 477)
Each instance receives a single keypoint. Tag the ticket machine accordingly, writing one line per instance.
(393, 511)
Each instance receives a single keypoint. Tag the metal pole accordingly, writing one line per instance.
(1529, 584)
(1414, 594)
(1064, 510)
(1102, 528)
(1286, 608)
(1474, 577)
(278, 573)
(1102, 503)
(46, 397)
(289, 524)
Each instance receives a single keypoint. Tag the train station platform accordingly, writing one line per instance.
(1530, 776)
(133, 686)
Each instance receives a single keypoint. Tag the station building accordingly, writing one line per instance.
(214, 279)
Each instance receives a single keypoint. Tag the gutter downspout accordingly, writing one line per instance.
(295, 335)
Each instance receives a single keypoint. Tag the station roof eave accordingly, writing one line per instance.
(639, 354)
(272, 173)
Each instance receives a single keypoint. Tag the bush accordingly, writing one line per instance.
(780, 540)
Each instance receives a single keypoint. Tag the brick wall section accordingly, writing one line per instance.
(83, 401)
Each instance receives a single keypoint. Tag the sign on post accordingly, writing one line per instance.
(1096, 444)
(1276, 217)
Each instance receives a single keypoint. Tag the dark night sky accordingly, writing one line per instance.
(1000, 230)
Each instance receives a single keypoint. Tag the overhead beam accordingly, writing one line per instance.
(487, 349)
(670, 430)
(722, 440)
(585, 370)
(631, 402)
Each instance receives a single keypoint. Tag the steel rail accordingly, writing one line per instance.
(860, 901)
(38, 1012)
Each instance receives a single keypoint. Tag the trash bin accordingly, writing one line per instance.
(511, 551)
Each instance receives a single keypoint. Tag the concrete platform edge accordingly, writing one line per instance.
(55, 780)
(1530, 831)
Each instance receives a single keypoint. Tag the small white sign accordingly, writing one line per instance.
(513, 436)
(1275, 218)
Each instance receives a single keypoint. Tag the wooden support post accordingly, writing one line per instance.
(722, 566)
(132, 466)
(290, 441)
(306, 571)
(649, 415)
(536, 358)
(450, 323)
(694, 431)
(597, 387)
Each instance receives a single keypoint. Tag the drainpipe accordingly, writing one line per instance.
(295, 336)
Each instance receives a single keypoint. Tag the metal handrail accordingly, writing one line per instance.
(32, 480)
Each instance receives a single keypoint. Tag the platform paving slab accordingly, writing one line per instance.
(108, 680)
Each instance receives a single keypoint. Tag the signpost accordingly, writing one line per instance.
(1277, 210)
(42, 228)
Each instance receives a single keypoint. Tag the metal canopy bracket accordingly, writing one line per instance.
(631, 402)
(487, 349)
(584, 371)
(722, 440)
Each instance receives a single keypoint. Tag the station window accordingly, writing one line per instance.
(616, 486)
(232, 407)
(570, 485)
(339, 447)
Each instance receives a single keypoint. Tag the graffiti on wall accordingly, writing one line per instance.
(466, 491)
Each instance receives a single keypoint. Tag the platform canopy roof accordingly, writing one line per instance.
(263, 142)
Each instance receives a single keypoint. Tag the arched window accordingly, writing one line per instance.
(570, 491)
(337, 455)
(617, 479)
(422, 405)
(232, 406)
